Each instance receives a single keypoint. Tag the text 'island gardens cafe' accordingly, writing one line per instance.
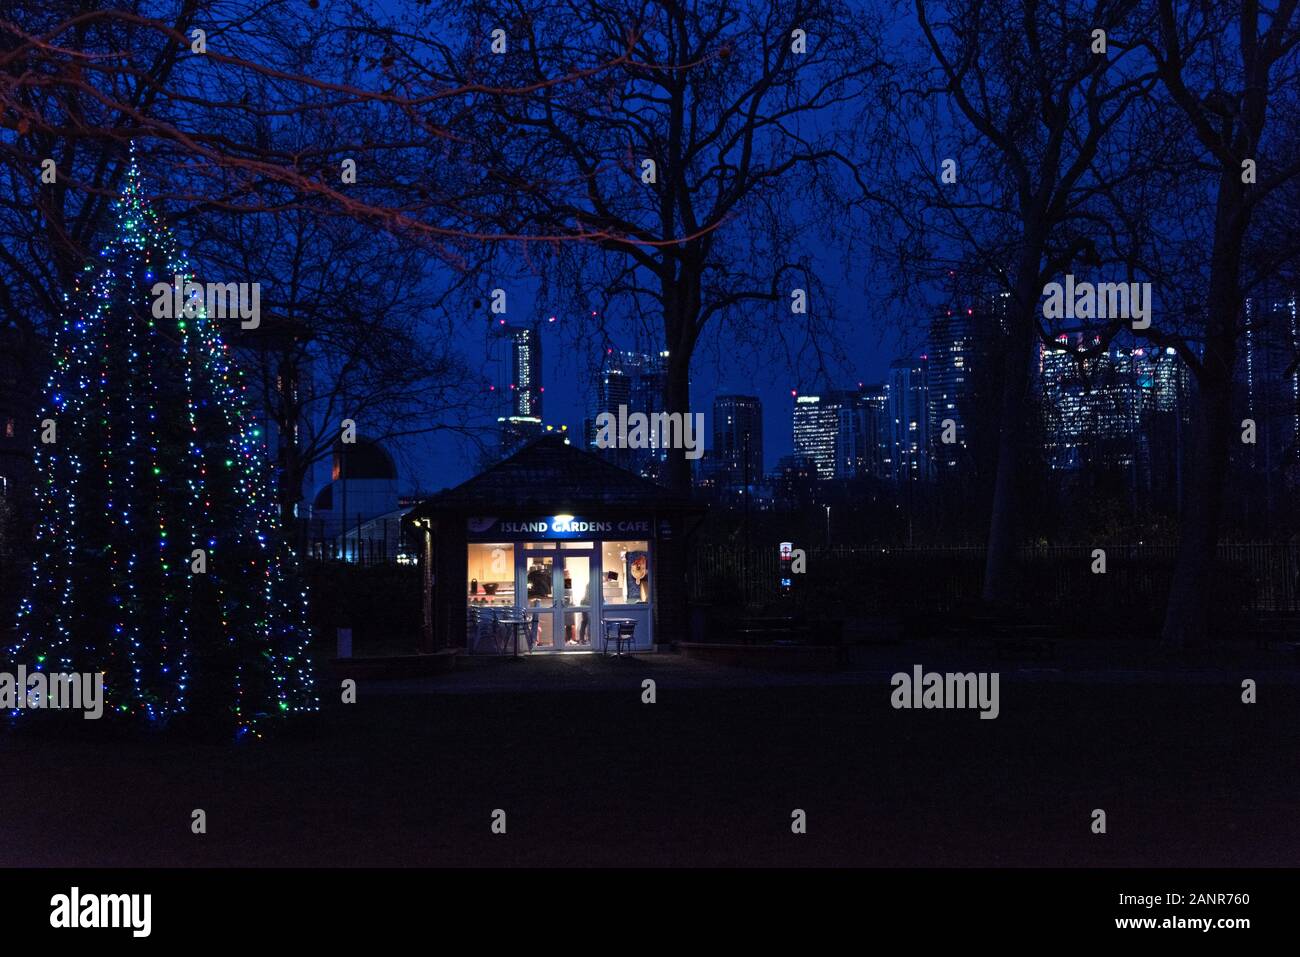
(561, 539)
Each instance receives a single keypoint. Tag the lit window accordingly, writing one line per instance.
(625, 578)
(490, 573)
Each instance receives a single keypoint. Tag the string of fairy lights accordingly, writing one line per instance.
(124, 497)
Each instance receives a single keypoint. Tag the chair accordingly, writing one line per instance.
(487, 629)
(533, 621)
(624, 633)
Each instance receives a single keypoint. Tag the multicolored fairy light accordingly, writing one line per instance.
(156, 455)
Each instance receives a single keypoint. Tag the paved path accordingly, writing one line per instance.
(1092, 664)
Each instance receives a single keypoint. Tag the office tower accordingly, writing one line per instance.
(1118, 410)
(850, 439)
(637, 380)
(648, 388)
(841, 431)
(860, 418)
(1166, 384)
(1092, 404)
(963, 375)
(1268, 393)
(517, 354)
(525, 386)
(816, 429)
(908, 403)
(1269, 370)
(738, 440)
(874, 400)
(613, 388)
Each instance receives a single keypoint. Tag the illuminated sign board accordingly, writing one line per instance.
(542, 527)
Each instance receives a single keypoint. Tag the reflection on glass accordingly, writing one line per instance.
(490, 575)
(540, 577)
(626, 573)
(541, 581)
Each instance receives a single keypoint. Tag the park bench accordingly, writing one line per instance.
(1024, 640)
(1281, 633)
(774, 630)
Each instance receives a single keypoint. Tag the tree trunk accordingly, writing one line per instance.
(1187, 613)
(677, 398)
(681, 298)
(1190, 593)
(289, 494)
(999, 561)
(292, 471)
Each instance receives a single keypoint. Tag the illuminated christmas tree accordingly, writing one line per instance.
(157, 558)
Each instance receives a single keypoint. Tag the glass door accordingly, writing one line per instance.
(539, 592)
(576, 602)
(560, 589)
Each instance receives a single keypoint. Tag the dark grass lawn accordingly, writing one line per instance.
(1187, 775)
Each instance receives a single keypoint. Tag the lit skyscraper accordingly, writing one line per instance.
(613, 388)
(518, 356)
(962, 370)
(816, 427)
(877, 457)
(1118, 409)
(1092, 405)
(1270, 372)
(840, 431)
(525, 371)
(738, 440)
(636, 380)
(1268, 393)
(908, 403)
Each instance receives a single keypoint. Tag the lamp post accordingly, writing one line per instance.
(828, 525)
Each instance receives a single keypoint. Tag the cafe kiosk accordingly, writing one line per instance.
(556, 534)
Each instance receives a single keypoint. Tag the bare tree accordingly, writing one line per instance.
(76, 85)
(351, 328)
(1231, 69)
(1026, 106)
(697, 168)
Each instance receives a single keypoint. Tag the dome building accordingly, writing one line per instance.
(362, 486)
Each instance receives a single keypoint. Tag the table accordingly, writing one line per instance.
(515, 625)
(606, 622)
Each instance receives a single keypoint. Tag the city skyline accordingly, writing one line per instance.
(946, 362)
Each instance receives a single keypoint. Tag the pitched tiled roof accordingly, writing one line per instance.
(549, 475)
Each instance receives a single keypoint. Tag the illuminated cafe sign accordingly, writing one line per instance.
(525, 528)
